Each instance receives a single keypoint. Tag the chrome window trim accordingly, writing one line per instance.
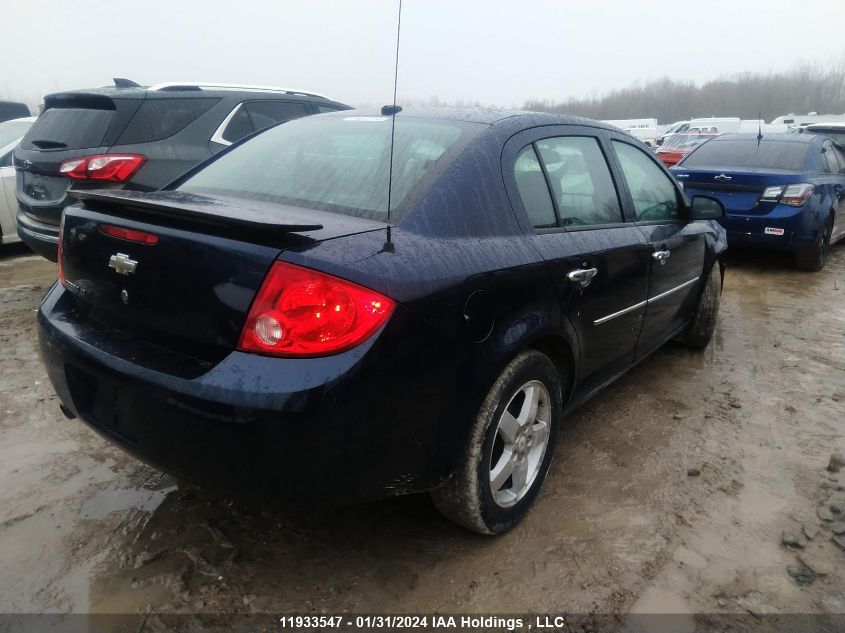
(639, 305)
(217, 137)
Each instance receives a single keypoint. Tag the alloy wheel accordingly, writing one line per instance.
(522, 436)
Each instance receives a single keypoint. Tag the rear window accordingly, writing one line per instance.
(158, 119)
(338, 164)
(68, 128)
(11, 131)
(748, 153)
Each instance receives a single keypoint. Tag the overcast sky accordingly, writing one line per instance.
(491, 51)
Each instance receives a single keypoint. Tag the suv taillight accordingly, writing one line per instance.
(102, 167)
(302, 312)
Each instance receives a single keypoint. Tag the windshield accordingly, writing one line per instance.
(749, 154)
(11, 131)
(338, 164)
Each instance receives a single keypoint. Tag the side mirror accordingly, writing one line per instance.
(706, 208)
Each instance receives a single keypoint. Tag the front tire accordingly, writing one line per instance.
(703, 324)
(510, 448)
(814, 258)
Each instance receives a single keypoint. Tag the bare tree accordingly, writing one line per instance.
(806, 88)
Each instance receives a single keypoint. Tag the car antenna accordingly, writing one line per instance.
(392, 111)
(759, 130)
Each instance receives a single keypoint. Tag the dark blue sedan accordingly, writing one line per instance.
(781, 191)
(323, 315)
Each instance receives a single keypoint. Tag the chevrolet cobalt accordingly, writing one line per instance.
(354, 305)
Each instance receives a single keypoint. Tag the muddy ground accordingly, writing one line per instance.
(621, 526)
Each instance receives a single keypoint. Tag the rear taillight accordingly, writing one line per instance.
(793, 195)
(303, 312)
(102, 167)
(771, 194)
(796, 195)
(131, 235)
(60, 253)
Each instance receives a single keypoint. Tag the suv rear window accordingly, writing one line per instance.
(68, 128)
(158, 119)
(748, 153)
(338, 164)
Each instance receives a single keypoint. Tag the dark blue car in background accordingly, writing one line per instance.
(782, 191)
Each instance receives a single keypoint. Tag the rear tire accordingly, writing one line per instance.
(813, 259)
(507, 437)
(703, 324)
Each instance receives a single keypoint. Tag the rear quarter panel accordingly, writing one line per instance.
(460, 261)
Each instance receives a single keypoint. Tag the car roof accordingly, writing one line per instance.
(778, 136)
(187, 89)
(483, 116)
(824, 126)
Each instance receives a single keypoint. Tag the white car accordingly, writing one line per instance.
(11, 133)
(832, 129)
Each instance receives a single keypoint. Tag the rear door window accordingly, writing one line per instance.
(839, 158)
(655, 196)
(266, 113)
(580, 181)
(239, 126)
(533, 190)
(830, 163)
(158, 119)
(68, 128)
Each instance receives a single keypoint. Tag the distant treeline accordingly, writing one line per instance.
(808, 88)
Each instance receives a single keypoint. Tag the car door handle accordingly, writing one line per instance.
(582, 276)
(661, 256)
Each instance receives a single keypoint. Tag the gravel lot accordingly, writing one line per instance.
(625, 525)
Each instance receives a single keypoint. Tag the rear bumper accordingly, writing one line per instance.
(784, 228)
(310, 432)
(41, 237)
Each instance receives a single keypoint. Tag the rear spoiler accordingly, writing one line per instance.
(220, 216)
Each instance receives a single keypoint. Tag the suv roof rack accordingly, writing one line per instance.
(205, 85)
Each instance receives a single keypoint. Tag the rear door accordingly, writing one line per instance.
(676, 245)
(598, 262)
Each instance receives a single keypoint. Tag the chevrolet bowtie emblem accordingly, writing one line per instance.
(122, 264)
(722, 177)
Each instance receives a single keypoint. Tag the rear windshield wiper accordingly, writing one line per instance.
(42, 144)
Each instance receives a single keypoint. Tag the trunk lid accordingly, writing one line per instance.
(190, 291)
(739, 191)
